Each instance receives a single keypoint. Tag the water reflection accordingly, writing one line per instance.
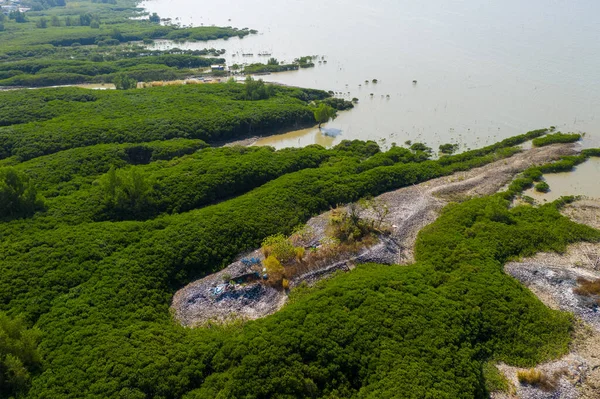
(298, 138)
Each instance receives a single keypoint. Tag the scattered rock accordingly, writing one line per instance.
(553, 278)
(410, 209)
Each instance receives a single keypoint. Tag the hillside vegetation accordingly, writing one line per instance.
(98, 287)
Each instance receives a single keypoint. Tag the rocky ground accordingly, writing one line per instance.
(553, 278)
(410, 209)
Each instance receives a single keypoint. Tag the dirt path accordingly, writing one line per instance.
(410, 209)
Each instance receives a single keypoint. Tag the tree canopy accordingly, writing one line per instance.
(323, 113)
(18, 195)
(19, 357)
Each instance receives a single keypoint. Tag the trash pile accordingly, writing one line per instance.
(235, 292)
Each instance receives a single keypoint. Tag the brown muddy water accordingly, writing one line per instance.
(584, 180)
(484, 70)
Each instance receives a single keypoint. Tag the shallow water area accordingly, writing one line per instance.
(484, 71)
(584, 180)
(297, 138)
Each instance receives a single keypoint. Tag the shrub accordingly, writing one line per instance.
(529, 377)
(257, 90)
(556, 138)
(542, 187)
(420, 147)
(528, 200)
(42, 23)
(495, 381)
(19, 358)
(338, 104)
(125, 193)
(154, 18)
(537, 379)
(18, 196)
(448, 148)
(588, 287)
(348, 226)
(302, 235)
(18, 16)
(323, 113)
(279, 247)
(124, 82)
(275, 269)
(533, 173)
(300, 253)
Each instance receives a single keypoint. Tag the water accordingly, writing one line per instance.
(582, 181)
(485, 70)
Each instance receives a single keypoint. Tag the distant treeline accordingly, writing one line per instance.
(51, 72)
(44, 47)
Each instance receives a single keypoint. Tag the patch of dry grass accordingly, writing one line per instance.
(588, 288)
(539, 379)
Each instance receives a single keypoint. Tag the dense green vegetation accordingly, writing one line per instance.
(275, 66)
(45, 121)
(62, 72)
(110, 201)
(19, 358)
(556, 138)
(422, 330)
(69, 170)
(206, 177)
(18, 196)
(84, 42)
(100, 290)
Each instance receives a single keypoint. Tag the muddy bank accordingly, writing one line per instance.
(410, 209)
(252, 137)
